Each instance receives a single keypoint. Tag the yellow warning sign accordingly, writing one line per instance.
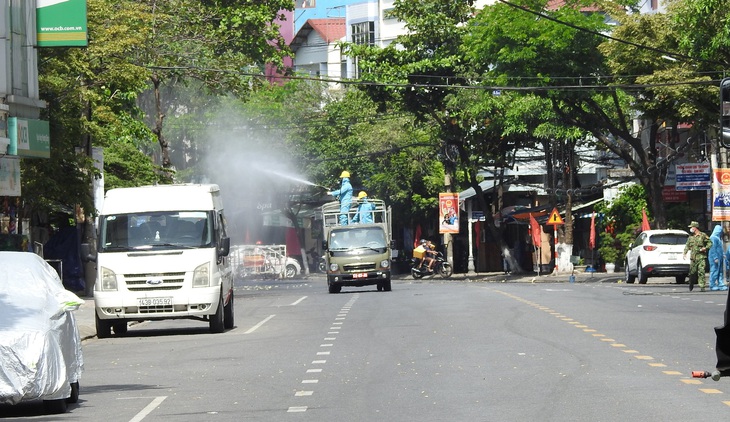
(555, 218)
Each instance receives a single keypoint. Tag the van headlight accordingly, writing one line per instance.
(201, 275)
(334, 267)
(385, 263)
(108, 280)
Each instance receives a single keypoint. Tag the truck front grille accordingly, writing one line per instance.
(359, 267)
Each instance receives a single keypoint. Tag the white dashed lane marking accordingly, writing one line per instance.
(334, 329)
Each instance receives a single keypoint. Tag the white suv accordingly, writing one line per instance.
(657, 253)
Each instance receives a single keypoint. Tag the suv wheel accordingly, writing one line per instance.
(643, 277)
(629, 278)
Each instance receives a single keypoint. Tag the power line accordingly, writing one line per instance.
(599, 34)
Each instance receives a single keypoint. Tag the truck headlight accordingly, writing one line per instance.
(385, 263)
(108, 280)
(201, 275)
(334, 267)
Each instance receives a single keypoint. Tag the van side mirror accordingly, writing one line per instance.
(324, 245)
(225, 247)
(86, 254)
(392, 244)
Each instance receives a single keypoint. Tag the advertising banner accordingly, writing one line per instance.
(29, 138)
(448, 212)
(61, 23)
(9, 176)
(721, 195)
(695, 176)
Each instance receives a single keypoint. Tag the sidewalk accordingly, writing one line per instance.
(87, 325)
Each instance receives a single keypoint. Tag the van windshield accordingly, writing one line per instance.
(159, 229)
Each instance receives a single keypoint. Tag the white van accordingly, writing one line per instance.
(162, 254)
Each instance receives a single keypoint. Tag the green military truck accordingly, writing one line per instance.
(357, 254)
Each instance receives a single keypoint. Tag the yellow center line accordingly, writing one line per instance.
(571, 321)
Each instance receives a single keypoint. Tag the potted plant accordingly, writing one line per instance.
(609, 251)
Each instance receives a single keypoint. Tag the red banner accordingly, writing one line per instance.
(535, 232)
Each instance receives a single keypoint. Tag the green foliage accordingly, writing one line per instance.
(620, 222)
(610, 249)
(705, 30)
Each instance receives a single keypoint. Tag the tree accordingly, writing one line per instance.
(220, 43)
(91, 96)
(554, 59)
(422, 73)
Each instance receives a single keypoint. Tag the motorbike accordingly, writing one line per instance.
(318, 262)
(440, 267)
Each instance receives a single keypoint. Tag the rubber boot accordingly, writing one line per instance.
(721, 285)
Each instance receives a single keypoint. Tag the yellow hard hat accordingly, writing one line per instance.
(345, 174)
(362, 194)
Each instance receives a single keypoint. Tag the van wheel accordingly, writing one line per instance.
(228, 314)
(103, 327)
(680, 279)
(386, 285)
(120, 327)
(334, 288)
(216, 321)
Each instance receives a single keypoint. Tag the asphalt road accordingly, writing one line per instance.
(500, 349)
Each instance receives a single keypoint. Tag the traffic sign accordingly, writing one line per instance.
(554, 218)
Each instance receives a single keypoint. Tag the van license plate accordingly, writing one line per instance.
(155, 301)
(360, 275)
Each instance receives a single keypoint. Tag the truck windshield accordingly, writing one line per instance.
(160, 229)
(353, 237)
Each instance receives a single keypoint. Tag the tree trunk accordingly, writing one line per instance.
(159, 119)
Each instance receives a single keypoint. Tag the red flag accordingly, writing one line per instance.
(592, 238)
(644, 221)
(535, 232)
(417, 238)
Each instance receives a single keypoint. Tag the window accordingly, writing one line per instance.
(363, 33)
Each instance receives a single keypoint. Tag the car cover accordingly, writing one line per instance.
(40, 347)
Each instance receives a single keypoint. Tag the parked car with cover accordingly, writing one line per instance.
(40, 346)
(657, 253)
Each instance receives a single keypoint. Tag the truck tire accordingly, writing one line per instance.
(103, 327)
(217, 324)
(228, 314)
(385, 285)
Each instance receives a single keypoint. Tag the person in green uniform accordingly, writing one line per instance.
(697, 245)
